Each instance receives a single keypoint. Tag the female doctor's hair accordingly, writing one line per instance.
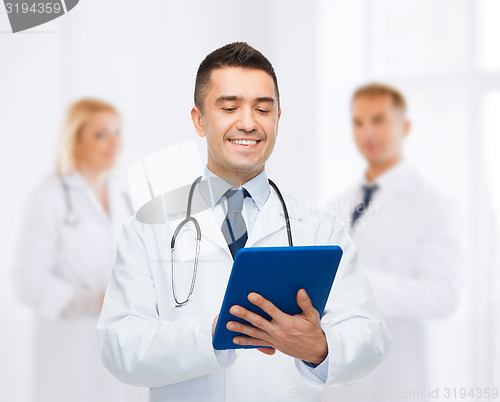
(381, 89)
(237, 54)
(74, 120)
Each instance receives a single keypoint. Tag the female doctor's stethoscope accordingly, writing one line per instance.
(71, 219)
(190, 218)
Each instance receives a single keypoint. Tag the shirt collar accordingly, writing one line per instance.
(212, 188)
(389, 178)
(75, 179)
(258, 188)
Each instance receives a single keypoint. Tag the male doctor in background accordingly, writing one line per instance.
(407, 235)
(146, 340)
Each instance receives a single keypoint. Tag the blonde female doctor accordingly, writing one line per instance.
(65, 254)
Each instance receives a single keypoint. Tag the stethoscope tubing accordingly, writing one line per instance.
(285, 212)
(70, 218)
(188, 218)
(192, 219)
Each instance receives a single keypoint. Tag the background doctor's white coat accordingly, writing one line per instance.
(143, 57)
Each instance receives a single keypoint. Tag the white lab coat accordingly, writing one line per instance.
(59, 266)
(145, 340)
(408, 239)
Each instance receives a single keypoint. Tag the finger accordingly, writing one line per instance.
(248, 341)
(267, 306)
(305, 304)
(267, 351)
(247, 330)
(254, 319)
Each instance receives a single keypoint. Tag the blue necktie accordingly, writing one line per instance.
(362, 207)
(233, 227)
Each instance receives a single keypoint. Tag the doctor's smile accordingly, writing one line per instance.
(246, 143)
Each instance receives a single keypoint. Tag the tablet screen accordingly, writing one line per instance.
(276, 273)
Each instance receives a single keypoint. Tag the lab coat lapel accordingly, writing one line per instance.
(212, 238)
(403, 183)
(211, 231)
(270, 219)
(120, 205)
(77, 183)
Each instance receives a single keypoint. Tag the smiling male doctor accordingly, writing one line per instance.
(146, 340)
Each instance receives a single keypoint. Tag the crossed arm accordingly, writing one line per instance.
(299, 336)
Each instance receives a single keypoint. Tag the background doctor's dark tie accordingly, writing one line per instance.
(234, 227)
(362, 207)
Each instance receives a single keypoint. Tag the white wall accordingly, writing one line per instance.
(30, 111)
(145, 60)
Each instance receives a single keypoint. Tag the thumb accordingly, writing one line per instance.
(214, 324)
(305, 304)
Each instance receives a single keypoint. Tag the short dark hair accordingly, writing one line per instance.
(237, 54)
(380, 89)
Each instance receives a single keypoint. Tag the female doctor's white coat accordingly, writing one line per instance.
(61, 271)
(145, 340)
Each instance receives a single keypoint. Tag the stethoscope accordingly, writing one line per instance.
(192, 219)
(71, 219)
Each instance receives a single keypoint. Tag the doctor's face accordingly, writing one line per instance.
(99, 142)
(239, 119)
(379, 128)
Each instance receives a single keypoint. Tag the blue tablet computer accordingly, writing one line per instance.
(276, 273)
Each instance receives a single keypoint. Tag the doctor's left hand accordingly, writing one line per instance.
(299, 336)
